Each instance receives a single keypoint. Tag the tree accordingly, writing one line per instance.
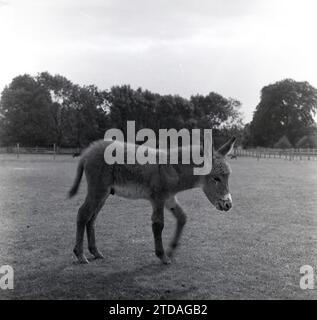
(60, 90)
(283, 143)
(246, 140)
(213, 110)
(309, 141)
(49, 109)
(147, 109)
(86, 118)
(154, 111)
(218, 113)
(286, 108)
(24, 107)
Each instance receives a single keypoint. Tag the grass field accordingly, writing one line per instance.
(253, 251)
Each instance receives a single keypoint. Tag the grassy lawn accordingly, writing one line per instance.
(253, 251)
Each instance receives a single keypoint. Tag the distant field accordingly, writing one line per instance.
(253, 251)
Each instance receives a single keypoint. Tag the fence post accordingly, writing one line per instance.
(54, 151)
(18, 150)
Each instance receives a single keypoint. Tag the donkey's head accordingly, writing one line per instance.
(216, 183)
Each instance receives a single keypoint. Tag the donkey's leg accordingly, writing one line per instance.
(157, 227)
(90, 227)
(172, 205)
(85, 212)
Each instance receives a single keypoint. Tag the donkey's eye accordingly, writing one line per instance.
(217, 179)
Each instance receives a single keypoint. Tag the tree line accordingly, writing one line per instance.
(49, 109)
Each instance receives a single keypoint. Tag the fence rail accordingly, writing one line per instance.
(258, 153)
(289, 154)
(53, 150)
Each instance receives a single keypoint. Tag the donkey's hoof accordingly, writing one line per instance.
(98, 255)
(166, 260)
(170, 252)
(81, 258)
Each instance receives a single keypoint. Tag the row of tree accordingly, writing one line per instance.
(47, 109)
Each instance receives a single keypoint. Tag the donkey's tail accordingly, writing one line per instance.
(74, 188)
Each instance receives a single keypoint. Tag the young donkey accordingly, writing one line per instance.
(158, 183)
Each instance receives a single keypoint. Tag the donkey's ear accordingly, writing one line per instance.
(227, 147)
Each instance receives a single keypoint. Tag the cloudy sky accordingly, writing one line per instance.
(233, 47)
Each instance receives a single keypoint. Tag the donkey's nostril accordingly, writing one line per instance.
(228, 205)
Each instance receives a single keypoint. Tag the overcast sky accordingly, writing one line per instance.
(233, 47)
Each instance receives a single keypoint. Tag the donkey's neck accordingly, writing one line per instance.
(186, 179)
(184, 173)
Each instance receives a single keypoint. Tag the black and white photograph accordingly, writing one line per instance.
(158, 150)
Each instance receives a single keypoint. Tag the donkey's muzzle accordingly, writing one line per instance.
(225, 204)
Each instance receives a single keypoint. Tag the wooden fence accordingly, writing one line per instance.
(53, 150)
(258, 153)
(287, 154)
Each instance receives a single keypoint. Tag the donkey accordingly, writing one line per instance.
(157, 183)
